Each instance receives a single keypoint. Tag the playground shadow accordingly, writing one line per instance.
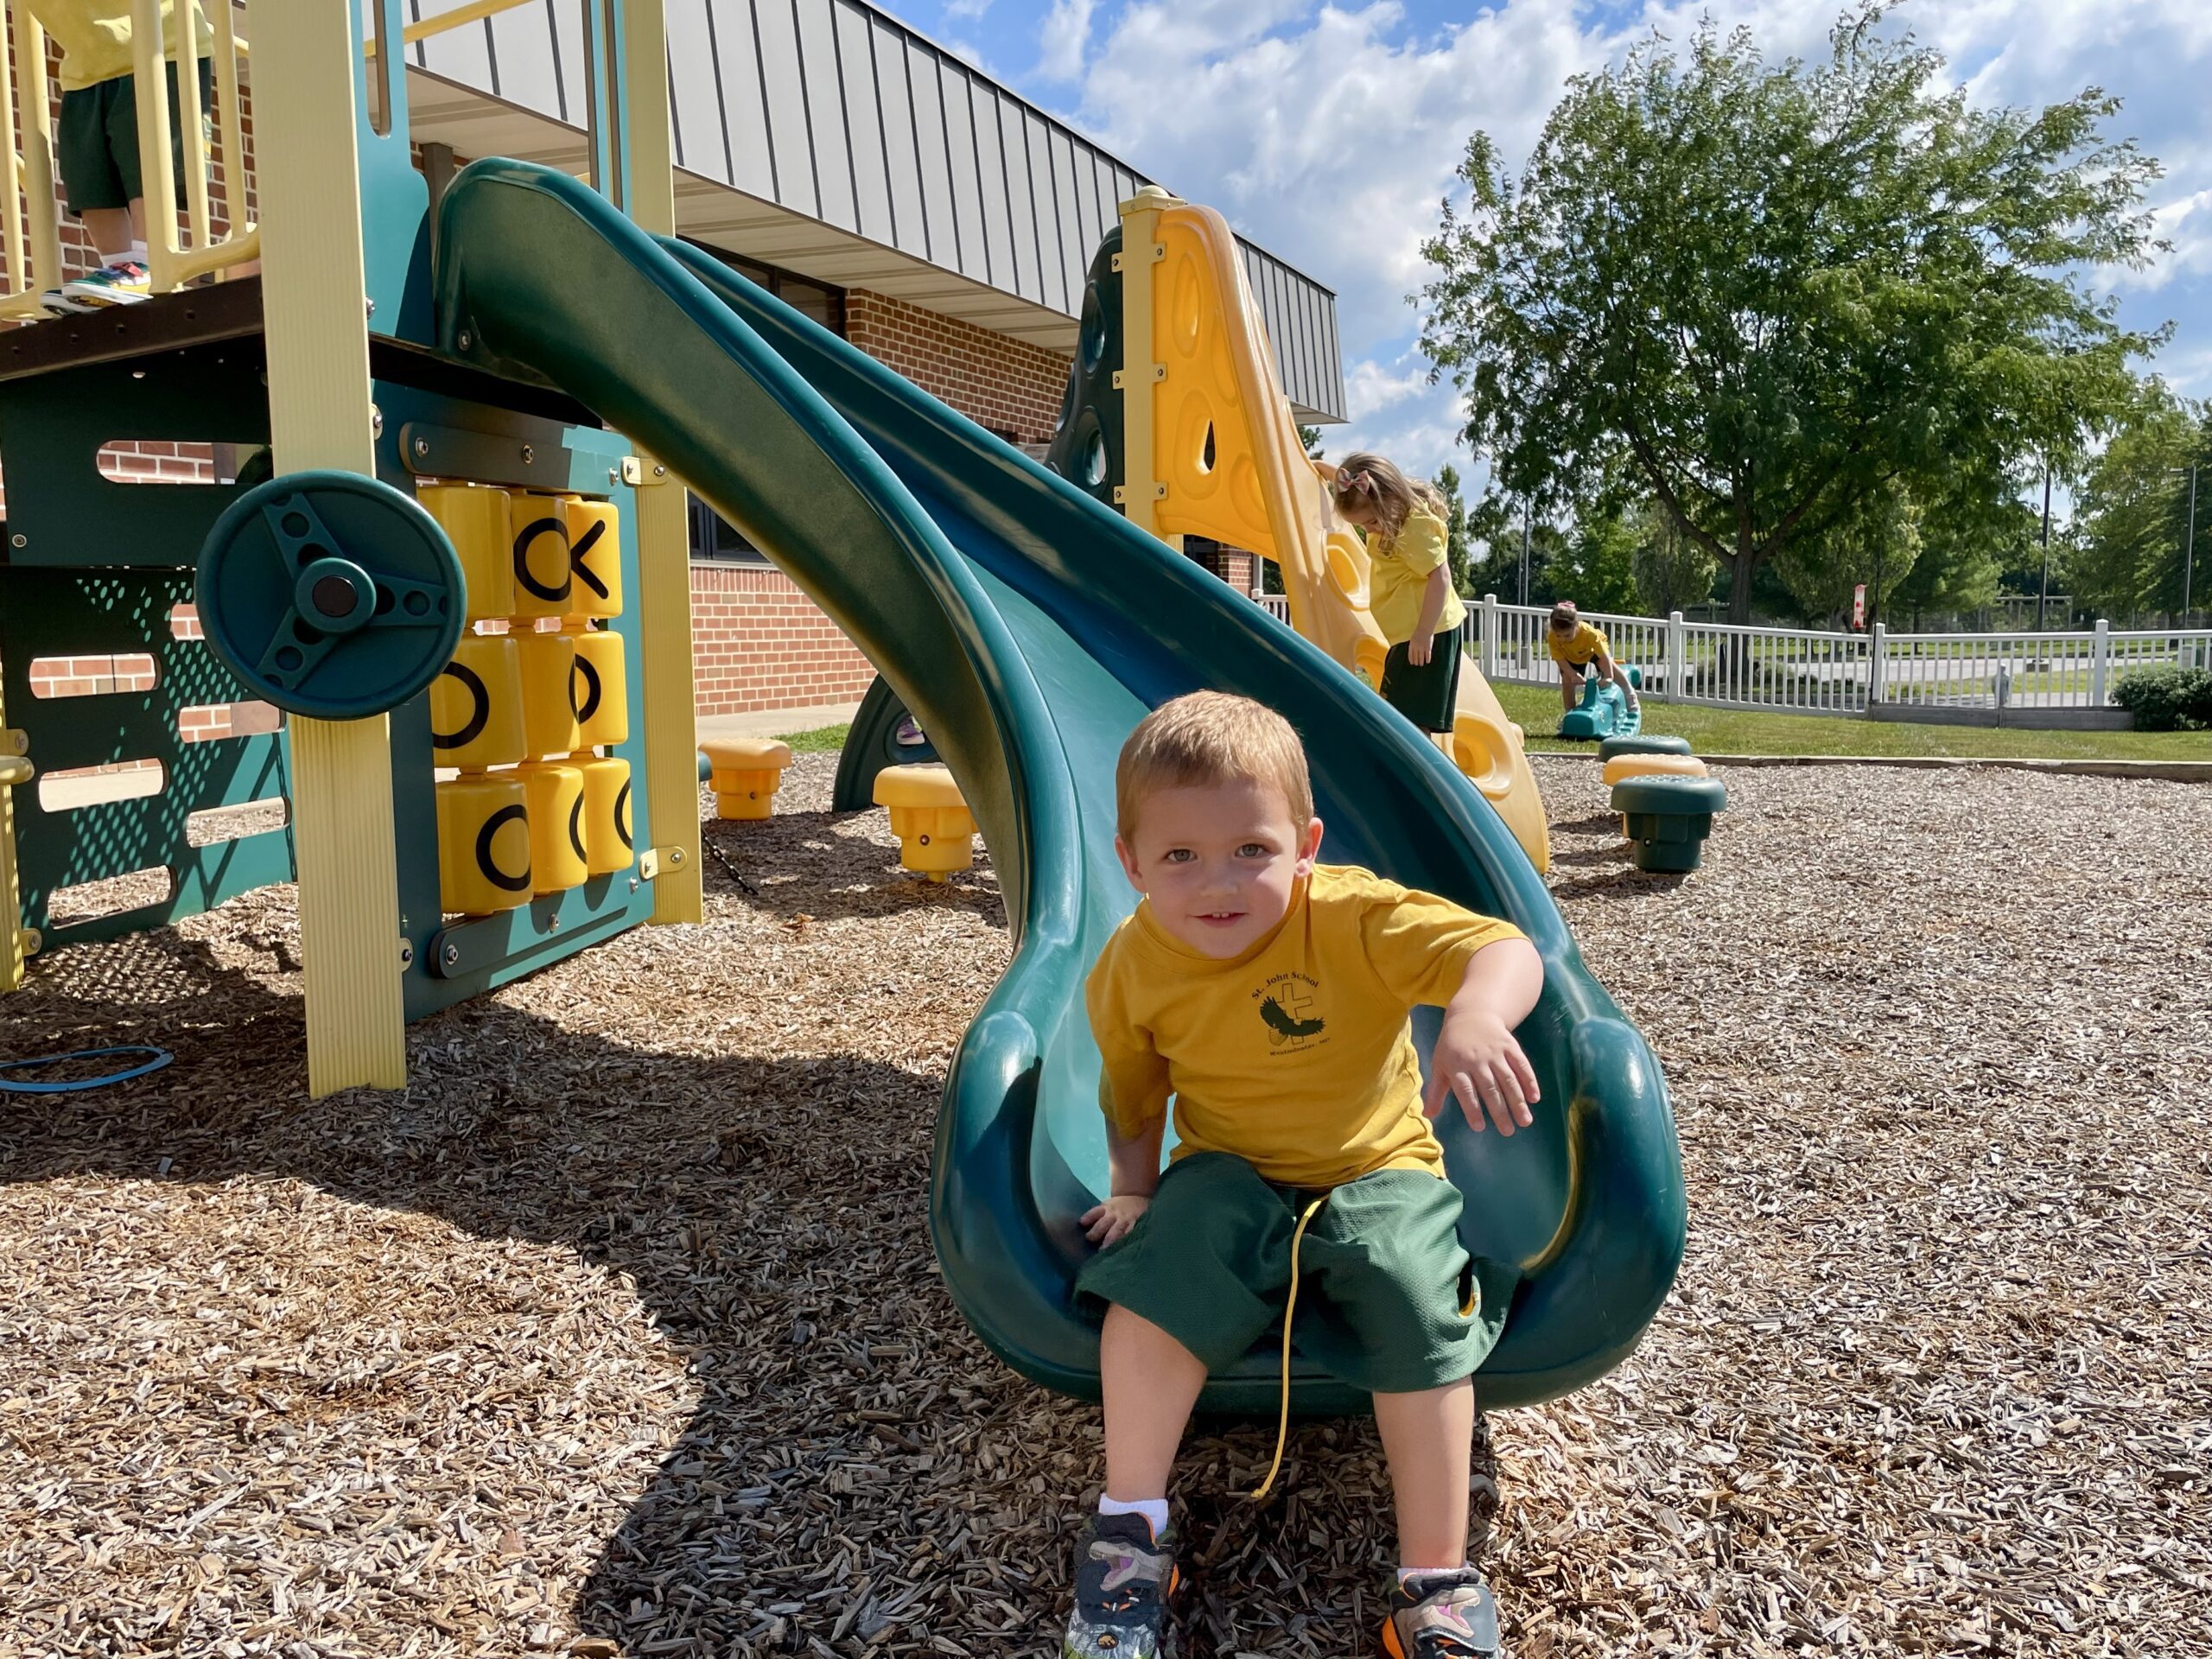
(827, 865)
(1625, 882)
(770, 1212)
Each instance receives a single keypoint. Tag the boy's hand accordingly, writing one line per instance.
(1477, 1060)
(1107, 1222)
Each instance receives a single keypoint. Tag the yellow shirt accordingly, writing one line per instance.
(1295, 1056)
(1401, 564)
(1579, 647)
(94, 36)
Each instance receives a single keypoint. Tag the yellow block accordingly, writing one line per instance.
(542, 576)
(548, 707)
(554, 792)
(601, 691)
(935, 829)
(594, 559)
(1652, 765)
(608, 847)
(476, 704)
(747, 773)
(477, 520)
(483, 844)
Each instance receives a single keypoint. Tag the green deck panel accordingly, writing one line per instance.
(62, 613)
(871, 745)
(1029, 627)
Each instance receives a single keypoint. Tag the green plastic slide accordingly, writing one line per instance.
(1028, 628)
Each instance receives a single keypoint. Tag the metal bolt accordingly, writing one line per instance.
(613, 476)
(450, 956)
(19, 540)
(635, 884)
(660, 472)
(466, 340)
(372, 306)
(376, 422)
(553, 925)
(676, 855)
(422, 447)
(406, 953)
(528, 454)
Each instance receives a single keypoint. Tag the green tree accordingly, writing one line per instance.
(1876, 547)
(1458, 550)
(1774, 289)
(2131, 509)
(1597, 570)
(1673, 570)
(1311, 437)
(1969, 537)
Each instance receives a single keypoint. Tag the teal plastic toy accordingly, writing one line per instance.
(884, 733)
(1027, 627)
(330, 595)
(1669, 819)
(1603, 712)
(1642, 743)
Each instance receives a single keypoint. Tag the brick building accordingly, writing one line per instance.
(878, 184)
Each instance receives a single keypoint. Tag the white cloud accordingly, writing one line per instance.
(1063, 38)
(1329, 132)
(966, 10)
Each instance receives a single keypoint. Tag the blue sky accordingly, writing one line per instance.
(1329, 133)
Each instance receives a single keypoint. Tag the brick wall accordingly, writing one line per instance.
(1009, 385)
(759, 642)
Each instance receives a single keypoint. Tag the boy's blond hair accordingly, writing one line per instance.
(1211, 737)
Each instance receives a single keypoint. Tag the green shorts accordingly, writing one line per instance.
(98, 145)
(1428, 696)
(1388, 1299)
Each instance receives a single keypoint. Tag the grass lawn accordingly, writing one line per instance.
(1728, 731)
(822, 739)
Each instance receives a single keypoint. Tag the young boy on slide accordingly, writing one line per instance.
(1267, 997)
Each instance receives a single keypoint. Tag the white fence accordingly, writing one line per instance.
(1813, 671)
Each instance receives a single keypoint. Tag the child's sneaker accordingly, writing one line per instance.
(55, 303)
(1443, 1616)
(119, 284)
(1123, 1578)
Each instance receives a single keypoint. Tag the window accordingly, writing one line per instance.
(712, 536)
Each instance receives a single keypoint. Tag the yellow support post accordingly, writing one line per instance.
(1141, 490)
(664, 541)
(315, 309)
(14, 770)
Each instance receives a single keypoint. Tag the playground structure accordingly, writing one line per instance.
(559, 360)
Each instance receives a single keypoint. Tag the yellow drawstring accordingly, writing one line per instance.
(1290, 1307)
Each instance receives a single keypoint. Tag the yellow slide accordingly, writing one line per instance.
(1212, 449)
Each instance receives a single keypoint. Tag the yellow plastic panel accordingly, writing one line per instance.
(11, 913)
(594, 559)
(553, 792)
(477, 518)
(548, 707)
(601, 691)
(483, 844)
(607, 814)
(542, 578)
(476, 704)
(1652, 765)
(667, 691)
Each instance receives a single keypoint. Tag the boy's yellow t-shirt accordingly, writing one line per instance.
(1295, 1056)
(94, 36)
(1579, 647)
(1400, 571)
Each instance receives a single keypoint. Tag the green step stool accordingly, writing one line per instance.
(1668, 819)
(1642, 743)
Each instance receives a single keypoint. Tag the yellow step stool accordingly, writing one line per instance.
(936, 831)
(1652, 765)
(747, 773)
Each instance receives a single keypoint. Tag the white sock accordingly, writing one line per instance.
(1155, 1510)
(114, 258)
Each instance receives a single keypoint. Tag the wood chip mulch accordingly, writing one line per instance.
(619, 1332)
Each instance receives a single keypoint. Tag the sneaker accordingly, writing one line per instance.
(1123, 1578)
(122, 284)
(55, 303)
(1443, 1616)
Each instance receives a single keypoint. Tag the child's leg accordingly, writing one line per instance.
(1628, 686)
(1428, 1438)
(1151, 1381)
(1570, 686)
(114, 229)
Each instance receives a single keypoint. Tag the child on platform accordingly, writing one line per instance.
(1267, 995)
(96, 146)
(1409, 591)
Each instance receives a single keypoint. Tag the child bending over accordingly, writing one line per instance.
(1267, 997)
